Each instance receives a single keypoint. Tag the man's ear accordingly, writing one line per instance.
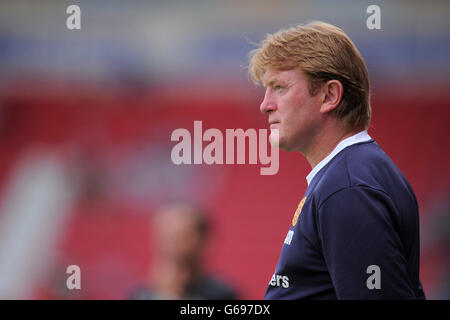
(332, 92)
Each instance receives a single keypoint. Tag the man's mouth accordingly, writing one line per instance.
(273, 124)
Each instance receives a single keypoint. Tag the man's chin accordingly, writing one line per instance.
(276, 142)
(274, 138)
(280, 143)
(285, 147)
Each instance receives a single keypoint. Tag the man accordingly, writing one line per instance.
(180, 232)
(355, 233)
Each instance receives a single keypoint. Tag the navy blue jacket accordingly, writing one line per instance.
(355, 234)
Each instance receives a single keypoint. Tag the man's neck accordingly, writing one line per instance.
(325, 143)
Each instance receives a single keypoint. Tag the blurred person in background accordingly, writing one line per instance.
(436, 247)
(355, 233)
(181, 232)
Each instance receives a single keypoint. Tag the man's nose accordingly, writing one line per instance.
(268, 104)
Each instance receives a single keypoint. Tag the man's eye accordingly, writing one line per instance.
(277, 87)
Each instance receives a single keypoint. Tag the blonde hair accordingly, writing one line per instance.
(322, 52)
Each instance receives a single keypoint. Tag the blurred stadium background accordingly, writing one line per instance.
(86, 117)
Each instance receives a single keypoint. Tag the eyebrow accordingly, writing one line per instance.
(272, 81)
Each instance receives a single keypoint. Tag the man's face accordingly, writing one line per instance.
(291, 109)
(177, 235)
